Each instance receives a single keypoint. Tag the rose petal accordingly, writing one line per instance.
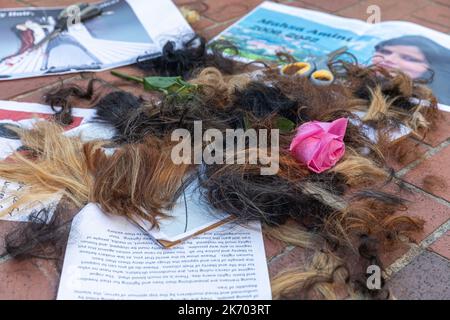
(314, 167)
(334, 146)
(308, 148)
(322, 153)
(338, 127)
(303, 132)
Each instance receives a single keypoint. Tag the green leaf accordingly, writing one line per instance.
(154, 83)
(183, 83)
(284, 124)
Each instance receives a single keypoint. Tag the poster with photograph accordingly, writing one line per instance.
(420, 52)
(124, 31)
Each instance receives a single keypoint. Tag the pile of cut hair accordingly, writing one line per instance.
(344, 217)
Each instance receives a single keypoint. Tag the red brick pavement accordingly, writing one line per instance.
(425, 276)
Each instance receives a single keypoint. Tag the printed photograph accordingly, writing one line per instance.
(95, 44)
(420, 58)
(264, 33)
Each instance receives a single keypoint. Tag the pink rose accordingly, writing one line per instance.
(319, 145)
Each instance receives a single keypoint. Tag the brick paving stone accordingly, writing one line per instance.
(107, 76)
(12, 88)
(110, 83)
(210, 33)
(180, 3)
(411, 150)
(390, 256)
(438, 169)
(54, 3)
(434, 213)
(443, 2)
(273, 247)
(304, 5)
(11, 4)
(37, 96)
(296, 257)
(442, 245)
(28, 279)
(122, 84)
(426, 277)
(427, 24)
(442, 131)
(202, 24)
(224, 10)
(331, 5)
(5, 228)
(434, 13)
(390, 10)
(423, 207)
(201, 8)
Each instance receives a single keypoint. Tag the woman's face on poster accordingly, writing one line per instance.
(408, 59)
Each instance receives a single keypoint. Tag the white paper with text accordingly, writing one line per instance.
(107, 257)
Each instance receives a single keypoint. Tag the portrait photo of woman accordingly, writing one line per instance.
(420, 58)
